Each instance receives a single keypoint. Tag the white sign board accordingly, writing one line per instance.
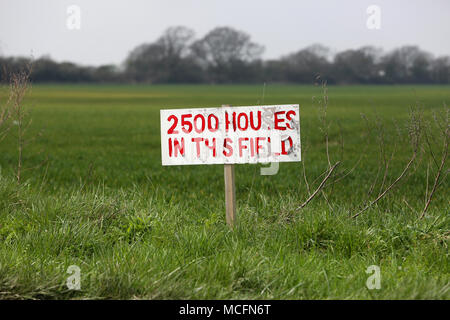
(256, 134)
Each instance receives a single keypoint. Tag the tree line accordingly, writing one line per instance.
(226, 55)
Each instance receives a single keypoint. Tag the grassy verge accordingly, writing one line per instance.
(136, 229)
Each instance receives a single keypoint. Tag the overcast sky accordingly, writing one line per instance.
(111, 28)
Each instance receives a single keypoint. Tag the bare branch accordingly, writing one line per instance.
(319, 188)
(414, 133)
(381, 195)
(306, 180)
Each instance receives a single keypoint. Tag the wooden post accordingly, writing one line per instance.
(230, 194)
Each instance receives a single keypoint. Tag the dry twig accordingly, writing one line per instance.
(319, 188)
(415, 132)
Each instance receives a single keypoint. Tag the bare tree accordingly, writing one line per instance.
(224, 45)
(175, 42)
(407, 64)
(357, 66)
(440, 70)
(227, 54)
(165, 60)
(305, 65)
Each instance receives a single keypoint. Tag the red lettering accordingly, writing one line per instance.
(212, 146)
(259, 120)
(216, 120)
(277, 121)
(187, 123)
(202, 127)
(241, 147)
(177, 147)
(170, 147)
(227, 145)
(283, 145)
(239, 122)
(227, 121)
(172, 128)
(258, 146)
(234, 121)
(270, 148)
(197, 141)
(289, 118)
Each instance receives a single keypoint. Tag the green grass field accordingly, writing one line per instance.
(138, 230)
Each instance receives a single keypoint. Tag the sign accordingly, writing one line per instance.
(229, 135)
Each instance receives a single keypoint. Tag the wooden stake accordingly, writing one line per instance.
(230, 194)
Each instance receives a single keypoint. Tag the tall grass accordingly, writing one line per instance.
(138, 230)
